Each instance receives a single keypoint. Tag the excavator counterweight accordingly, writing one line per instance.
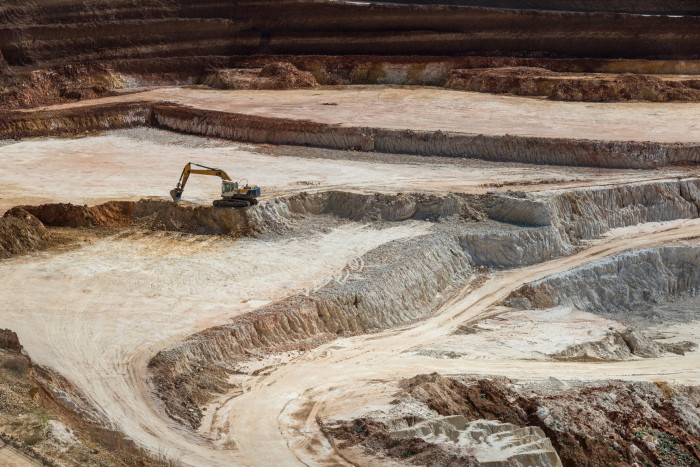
(232, 195)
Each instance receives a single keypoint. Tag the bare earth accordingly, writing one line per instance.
(97, 313)
(435, 109)
(132, 164)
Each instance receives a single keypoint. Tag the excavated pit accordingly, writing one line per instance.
(403, 281)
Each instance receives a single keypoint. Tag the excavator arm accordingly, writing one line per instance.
(188, 170)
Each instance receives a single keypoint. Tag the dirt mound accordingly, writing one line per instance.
(9, 341)
(111, 214)
(523, 81)
(21, 232)
(277, 75)
(616, 423)
(56, 85)
(626, 87)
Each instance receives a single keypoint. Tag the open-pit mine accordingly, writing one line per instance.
(439, 232)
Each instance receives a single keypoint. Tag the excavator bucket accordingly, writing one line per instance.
(176, 194)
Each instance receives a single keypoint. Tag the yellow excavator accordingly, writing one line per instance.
(232, 195)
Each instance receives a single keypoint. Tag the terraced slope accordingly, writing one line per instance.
(59, 32)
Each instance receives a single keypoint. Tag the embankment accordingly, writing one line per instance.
(536, 150)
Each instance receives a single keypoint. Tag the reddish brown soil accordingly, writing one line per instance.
(618, 423)
(529, 81)
(278, 75)
(111, 214)
(9, 341)
(21, 232)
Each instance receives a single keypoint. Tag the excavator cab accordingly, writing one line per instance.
(232, 195)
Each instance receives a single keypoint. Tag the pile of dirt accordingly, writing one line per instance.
(534, 81)
(56, 85)
(9, 341)
(276, 75)
(614, 423)
(111, 214)
(627, 87)
(523, 81)
(21, 232)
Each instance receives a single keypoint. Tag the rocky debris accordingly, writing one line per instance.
(279, 75)
(21, 232)
(56, 85)
(532, 81)
(606, 423)
(627, 87)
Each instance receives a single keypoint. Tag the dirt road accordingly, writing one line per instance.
(275, 420)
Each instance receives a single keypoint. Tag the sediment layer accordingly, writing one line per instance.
(537, 150)
(60, 33)
(626, 283)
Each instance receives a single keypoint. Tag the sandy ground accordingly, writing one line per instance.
(428, 108)
(10, 457)
(131, 164)
(98, 313)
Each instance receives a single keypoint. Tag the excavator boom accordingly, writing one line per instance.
(185, 175)
(232, 195)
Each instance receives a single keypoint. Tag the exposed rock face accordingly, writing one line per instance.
(16, 125)
(490, 442)
(254, 129)
(611, 423)
(112, 214)
(626, 283)
(21, 232)
(66, 32)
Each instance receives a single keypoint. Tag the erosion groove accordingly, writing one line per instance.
(626, 283)
(399, 282)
